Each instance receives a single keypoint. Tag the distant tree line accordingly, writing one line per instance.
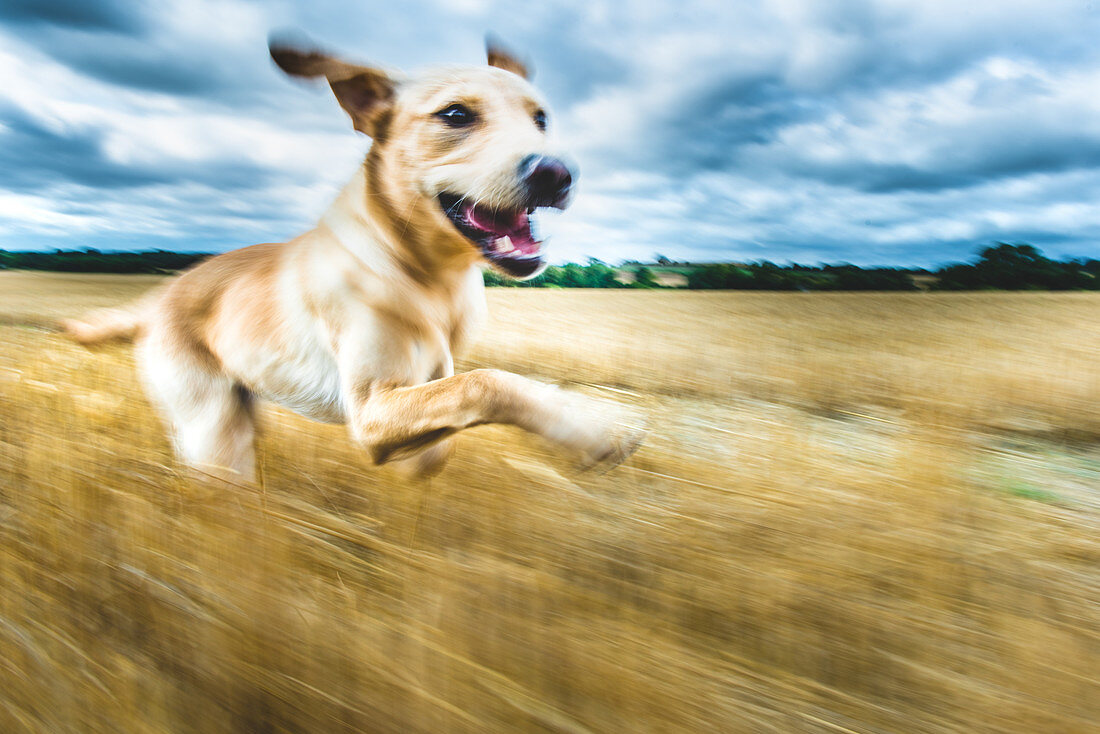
(763, 276)
(94, 261)
(1019, 267)
(1001, 267)
(767, 276)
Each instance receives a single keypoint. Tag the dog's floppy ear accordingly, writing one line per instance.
(366, 94)
(502, 58)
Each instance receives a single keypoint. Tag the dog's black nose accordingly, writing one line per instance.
(547, 179)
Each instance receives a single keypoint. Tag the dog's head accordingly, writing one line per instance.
(462, 151)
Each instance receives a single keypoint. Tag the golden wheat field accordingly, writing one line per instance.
(854, 513)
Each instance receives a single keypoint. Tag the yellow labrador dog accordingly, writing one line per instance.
(356, 320)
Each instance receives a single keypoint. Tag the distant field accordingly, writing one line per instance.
(667, 276)
(855, 513)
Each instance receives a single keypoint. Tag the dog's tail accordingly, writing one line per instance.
(120, 324)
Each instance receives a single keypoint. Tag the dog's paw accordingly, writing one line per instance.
(596, 433)
(623, 438)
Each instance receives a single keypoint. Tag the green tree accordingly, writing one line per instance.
(1017, 267)
(644, 278)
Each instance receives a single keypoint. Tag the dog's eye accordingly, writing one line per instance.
(456, 115)
(540, 120)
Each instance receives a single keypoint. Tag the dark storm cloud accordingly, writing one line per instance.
(956, 167)
(732, 123)
(708, 130)
(904, 45)
(1022, 150)
(35, 158)
(951, 158)
(141, 66)
(569, 64)
(117, 16)
(158, 63)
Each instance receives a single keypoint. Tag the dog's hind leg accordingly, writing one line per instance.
(210, 415)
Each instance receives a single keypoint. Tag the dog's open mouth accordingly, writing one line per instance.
(505, 237)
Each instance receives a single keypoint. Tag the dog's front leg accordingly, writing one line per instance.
(392, 420)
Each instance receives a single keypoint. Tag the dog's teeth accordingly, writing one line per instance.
(503, 245)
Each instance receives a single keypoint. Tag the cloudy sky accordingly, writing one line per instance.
(906, 132)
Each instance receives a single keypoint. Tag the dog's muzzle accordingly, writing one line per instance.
(505, 236)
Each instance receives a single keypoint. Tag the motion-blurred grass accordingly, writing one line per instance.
(868, 513)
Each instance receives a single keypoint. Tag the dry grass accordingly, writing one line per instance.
(855, 513)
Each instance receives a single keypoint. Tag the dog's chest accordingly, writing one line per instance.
(304, 374)
(304, 379)
(344, 340)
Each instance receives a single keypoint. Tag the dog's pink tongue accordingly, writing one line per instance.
(524, 243)
(496, 222)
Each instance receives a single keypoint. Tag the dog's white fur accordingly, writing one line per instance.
(357, 320)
